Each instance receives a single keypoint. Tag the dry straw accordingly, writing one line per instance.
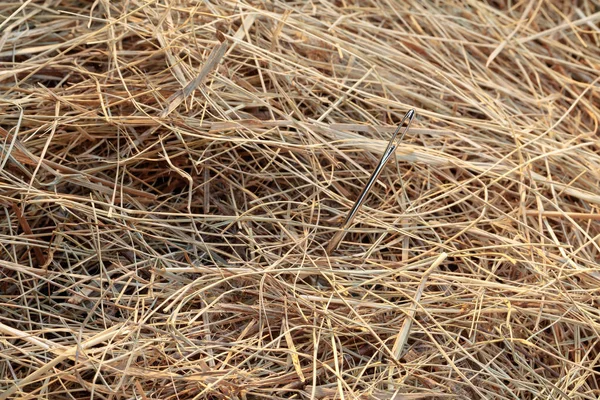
(170, 172)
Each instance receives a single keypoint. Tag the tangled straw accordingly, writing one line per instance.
(171, 173)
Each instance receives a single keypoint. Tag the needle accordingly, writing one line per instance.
(387, 154)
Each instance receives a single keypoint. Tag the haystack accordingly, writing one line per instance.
(172, 171)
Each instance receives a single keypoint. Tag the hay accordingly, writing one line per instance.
(171, 172)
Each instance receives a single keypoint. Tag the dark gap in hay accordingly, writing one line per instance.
(452, 267)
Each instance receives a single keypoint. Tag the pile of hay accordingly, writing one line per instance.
(171, 172)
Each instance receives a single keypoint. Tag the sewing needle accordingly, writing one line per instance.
(387, 154)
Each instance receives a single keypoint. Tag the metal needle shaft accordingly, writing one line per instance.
(387, 154)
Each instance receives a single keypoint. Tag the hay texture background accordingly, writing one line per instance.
(171, 172)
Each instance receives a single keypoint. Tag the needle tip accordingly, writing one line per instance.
(411, 113)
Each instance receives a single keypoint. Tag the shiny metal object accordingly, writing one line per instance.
(387, 154)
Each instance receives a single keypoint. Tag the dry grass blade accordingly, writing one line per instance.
(405, 330)
(170, 171)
